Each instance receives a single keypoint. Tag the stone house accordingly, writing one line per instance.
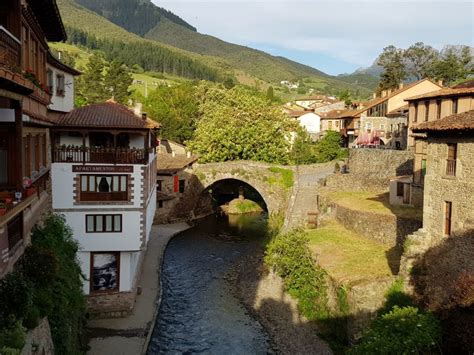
(174, 177)
(429, 108)
(103, 182)
(448, 181)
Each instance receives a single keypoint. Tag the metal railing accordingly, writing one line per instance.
(451, 167)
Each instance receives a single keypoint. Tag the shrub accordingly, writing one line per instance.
(289, 255)
(16, 298)
(401, 331)
(395, 296)
(12, 337)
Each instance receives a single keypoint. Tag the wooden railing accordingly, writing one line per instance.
(99, 155)
(10, 49)
(451, 167)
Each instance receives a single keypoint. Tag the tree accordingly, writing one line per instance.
(419, 60)
(117, 81)
(90, 85)
(329, 147)
(270, 94)
(176, 108)
(238, 124)
(453, 65)
(345, 96)
(394, 72)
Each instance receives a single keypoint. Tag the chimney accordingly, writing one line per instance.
(440, 82)
(188, 154)
(144, 116)
(374, 95)
(137, 109)
(384, 93)
(400, 86)
(173, 153)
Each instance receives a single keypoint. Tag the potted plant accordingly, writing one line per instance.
(30, 191)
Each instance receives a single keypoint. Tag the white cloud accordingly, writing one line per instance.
(346, 30)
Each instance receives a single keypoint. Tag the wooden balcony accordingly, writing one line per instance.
(10, 49)
(99, 155)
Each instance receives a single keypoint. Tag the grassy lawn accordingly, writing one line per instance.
(348, 257)
(373, 202)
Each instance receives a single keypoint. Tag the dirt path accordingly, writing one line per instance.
(263, 295)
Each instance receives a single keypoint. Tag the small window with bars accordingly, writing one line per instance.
(451, 161)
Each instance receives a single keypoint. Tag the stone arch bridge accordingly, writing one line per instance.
(278, 186)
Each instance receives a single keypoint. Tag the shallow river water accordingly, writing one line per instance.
(198, 312)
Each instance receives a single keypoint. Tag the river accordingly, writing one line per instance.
(198, 312)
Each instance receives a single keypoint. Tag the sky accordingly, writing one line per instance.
(336, 36)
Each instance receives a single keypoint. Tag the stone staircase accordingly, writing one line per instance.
(303, 207)
(416, 244)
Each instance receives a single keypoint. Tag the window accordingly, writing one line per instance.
(399, 189)
(160, 204)
(105, 272)
(104, 187)
(49, 80)
(448, 213)
(329, 125)
(368, 126)
(438, 107)
(337, 124)
(382, 126)
(455, 106)
(159, 185)
(427, 110)
(415, 112)
(182, 185)
(451, 161)
(423, 167)
(100, 223)
(60, 85)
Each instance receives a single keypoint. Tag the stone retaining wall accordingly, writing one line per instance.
(39, 340)
(112, 305)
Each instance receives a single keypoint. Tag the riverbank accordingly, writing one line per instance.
(263, 294)
(130, 335)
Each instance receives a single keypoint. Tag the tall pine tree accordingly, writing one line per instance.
(117, 81)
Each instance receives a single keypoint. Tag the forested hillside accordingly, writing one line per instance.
(136, 16)
(226, 59)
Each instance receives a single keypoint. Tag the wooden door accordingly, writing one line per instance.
(406, 194)
(4, 171)
(448, 210)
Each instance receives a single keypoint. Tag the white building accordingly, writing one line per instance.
(104, 183)
(60, 83)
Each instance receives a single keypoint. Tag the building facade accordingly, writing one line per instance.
(431, 107)
(448, 182)
(104, 183)
(25, 159)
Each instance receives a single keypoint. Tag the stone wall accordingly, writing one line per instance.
(379, 165)
(38, 340)
(388, 229)
(111, 305)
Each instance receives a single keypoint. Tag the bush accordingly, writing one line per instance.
(16, 298)
(289, 255)
(401, 331)
(12, 337)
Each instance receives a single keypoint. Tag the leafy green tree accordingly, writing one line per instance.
(419, 60)
(229, 83)
(453, 65)
(237, 124)
(117, 81)
(176, 108)
(329, 147)
(345, 96)
(394, 72)
(90, 85)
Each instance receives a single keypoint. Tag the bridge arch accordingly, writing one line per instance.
(266, 179)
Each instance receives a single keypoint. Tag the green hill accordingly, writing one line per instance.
(209, 57)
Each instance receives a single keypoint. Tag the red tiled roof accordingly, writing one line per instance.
(331, 114)
(105, 115)
(446, 92)
(457, 122)
(168, 164)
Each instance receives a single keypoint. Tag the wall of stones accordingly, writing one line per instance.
(379, 164)
(111, 305)
(39, 340)
(456, 189)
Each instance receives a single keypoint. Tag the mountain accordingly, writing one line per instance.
(127, 21)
